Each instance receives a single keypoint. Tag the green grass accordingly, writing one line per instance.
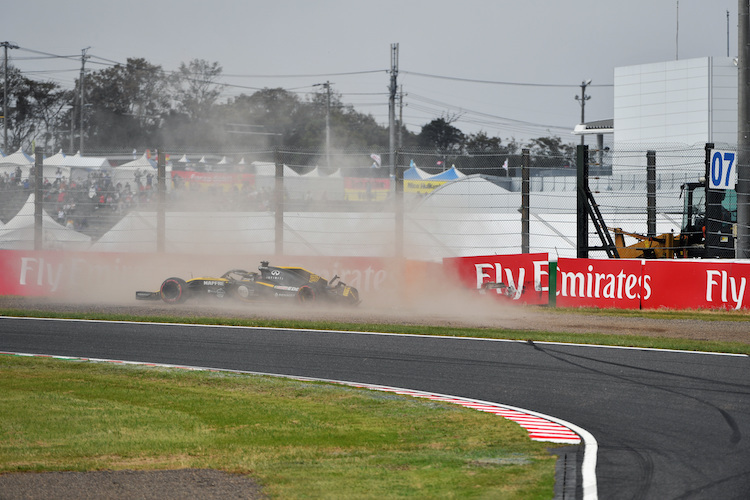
(693, 314)
(297, 439)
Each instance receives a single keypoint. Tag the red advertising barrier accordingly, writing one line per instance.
(526, 273)
(116, 276)
(652, 284)
(621, 283)
(366, 188)
(601, 283)
(203, 180)
(617, 283)
(708, 284)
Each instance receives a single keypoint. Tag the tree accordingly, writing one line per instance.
(126, 105)
(49, 103)
(191, 123)
(551, 152)
(353, 130)
(480, 142)
(274, 116)
(349, 129)
(195, 88)
(440, 135)
(37, 113)
(550, 146)
(267, 117)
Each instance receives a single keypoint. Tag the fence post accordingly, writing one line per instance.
(161, 198)
(525, 189)
(279, 204)
(552, 284)
(651, 193)
(38, 200)
(582, 217)
(399, 207)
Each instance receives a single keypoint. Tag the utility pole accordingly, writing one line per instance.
(327, 85)
(582, 99)
(6, 46)
(400, 115)
(83, 72)
(742, 244)
(392, 108)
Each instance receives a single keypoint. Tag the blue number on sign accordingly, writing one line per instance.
(716, 172)
(717, 167)
(728, 157)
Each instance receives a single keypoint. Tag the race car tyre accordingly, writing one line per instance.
(242, 292)
(306, 295)
(173, 291)
(352, 298)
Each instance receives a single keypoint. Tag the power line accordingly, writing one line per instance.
(480, 113)
(492, 82)
(48, 54)
(466, 115)
(312, 75)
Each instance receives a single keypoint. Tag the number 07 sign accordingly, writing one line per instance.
(723, 170)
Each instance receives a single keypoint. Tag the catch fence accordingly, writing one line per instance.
(426, 207)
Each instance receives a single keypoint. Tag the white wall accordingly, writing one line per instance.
(686, 101)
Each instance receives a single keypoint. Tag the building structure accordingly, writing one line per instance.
(686, 101)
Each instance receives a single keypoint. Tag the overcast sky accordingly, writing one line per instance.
(541, 49)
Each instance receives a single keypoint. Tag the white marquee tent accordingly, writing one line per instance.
(71, 167)
(18, 233)
(19, 159)
(126, 172)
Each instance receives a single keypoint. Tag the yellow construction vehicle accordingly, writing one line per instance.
(663, 246)
(709, 224)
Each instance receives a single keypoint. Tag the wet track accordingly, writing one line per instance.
(668, 424)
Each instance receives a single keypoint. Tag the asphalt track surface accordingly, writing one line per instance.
(668, 424)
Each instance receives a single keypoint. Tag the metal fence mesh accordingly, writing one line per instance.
(345, 203)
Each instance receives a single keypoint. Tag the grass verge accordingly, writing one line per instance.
(297, 439)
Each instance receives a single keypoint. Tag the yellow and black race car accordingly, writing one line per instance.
(267, 284)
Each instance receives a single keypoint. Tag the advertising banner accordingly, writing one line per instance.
(421, 186)
(366, 188)
(617, 283)
(73, 274)
(704, 284)
(620, 283)
(525, 275)
(226, 181)
(109, 276)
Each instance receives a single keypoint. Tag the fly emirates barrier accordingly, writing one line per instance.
(525, 278)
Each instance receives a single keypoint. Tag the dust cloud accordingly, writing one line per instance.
(212, 229)
(409, 293)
